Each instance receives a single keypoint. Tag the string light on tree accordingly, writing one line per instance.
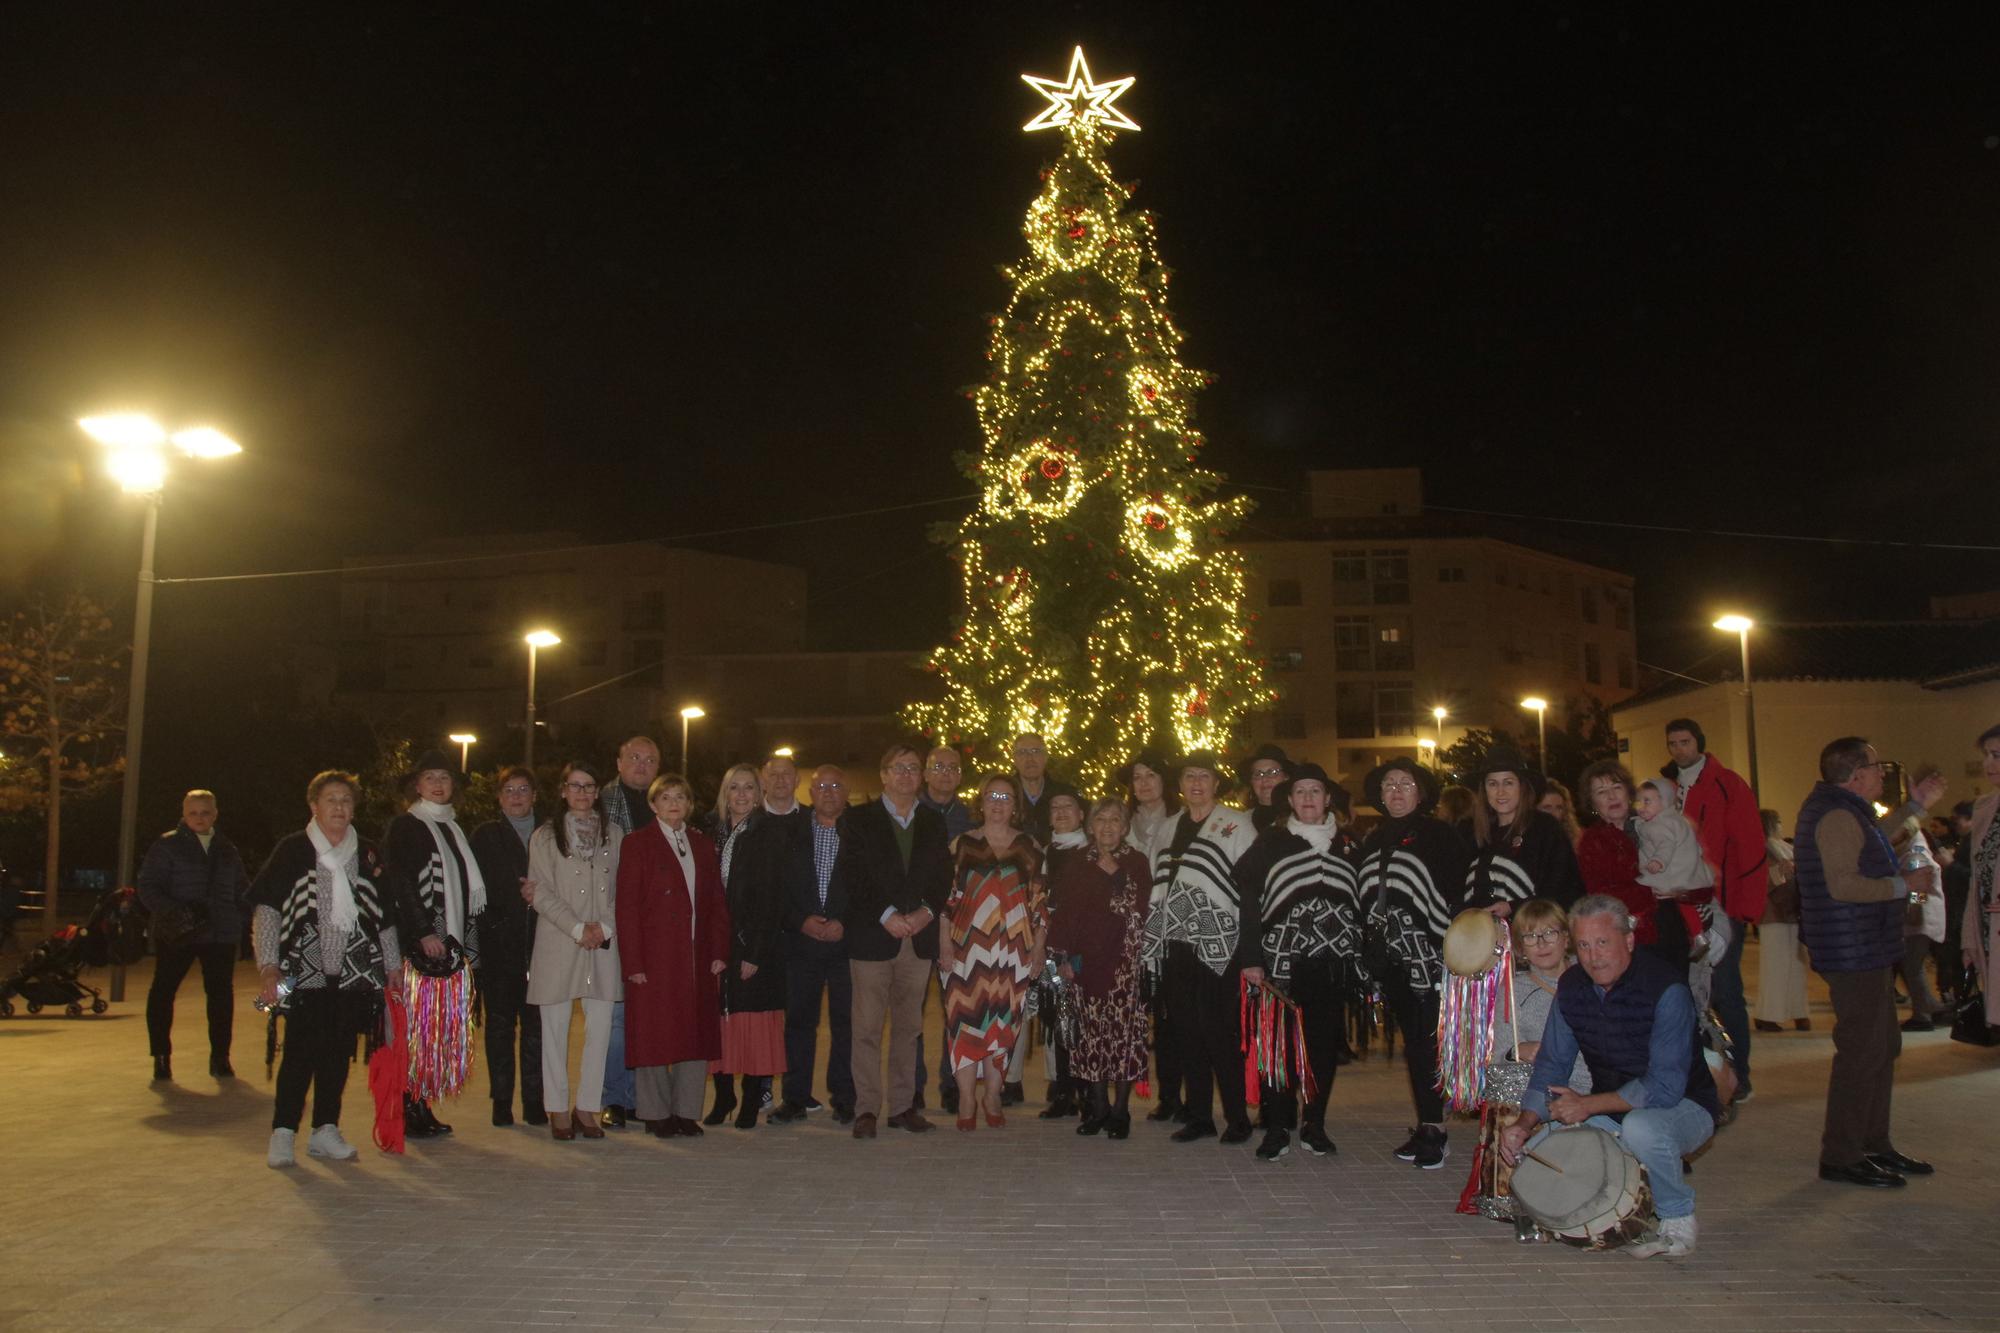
(1101, 608)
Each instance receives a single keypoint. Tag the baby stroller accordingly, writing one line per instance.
(49, 977)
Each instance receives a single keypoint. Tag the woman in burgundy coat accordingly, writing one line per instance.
(673, 939)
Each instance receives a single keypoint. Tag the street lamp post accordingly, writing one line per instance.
(1741, 626)
(688, 714)
(463, 740)
(1540, 707)
(1439, 714)
(1430, 748)
(536, 641)
(138, 462)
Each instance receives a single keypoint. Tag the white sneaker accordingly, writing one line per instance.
(1674, 1238)
(326, 1142)
(281, 1153)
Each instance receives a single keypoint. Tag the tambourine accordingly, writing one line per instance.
(1473, 944)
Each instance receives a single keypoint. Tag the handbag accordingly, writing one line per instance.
(175, 923)
(1970, 1026)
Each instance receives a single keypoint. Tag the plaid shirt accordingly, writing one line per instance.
(826, 846)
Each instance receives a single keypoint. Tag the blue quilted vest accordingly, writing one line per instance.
(1845, 937)
(1615, 1030)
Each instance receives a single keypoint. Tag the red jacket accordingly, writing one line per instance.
(1731, 830)
(1609, 861)
(677, 1014)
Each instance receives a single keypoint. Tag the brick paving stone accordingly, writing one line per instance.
(147, 1207)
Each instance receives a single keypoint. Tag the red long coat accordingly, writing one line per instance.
(677, 1014)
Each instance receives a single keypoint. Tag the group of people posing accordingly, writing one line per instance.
(1130, 923)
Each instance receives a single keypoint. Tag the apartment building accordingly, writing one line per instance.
(1373, 613)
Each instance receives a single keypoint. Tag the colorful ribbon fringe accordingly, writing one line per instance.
(440, 1033)
(1274, 1043)
(1466, 1016)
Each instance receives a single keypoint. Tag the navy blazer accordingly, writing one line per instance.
(872, 879)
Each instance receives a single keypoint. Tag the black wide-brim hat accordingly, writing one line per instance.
(1427, 783)
(1274, 753)
(1152, 759)
(429, 761)
(1506, 759)
(1209, 761)
(1305, 770)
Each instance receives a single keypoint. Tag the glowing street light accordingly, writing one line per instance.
(134, 459)
(782, 752)
(1429, 748)
(463, 740)
(536, 640)
(1540, 707)
(1440, 713)
(688, 714)
(1741, 626)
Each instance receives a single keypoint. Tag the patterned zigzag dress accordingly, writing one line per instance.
(994, 913)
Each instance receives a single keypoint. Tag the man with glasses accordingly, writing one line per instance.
(1031, 777)
(1851, 901)
(1191, 939)
(1730, 828)
(894, 870)
(506, 937)
(816, 963)
(624, 804)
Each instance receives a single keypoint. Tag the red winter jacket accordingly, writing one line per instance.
(1731, 830)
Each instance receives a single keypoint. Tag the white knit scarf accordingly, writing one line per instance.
(335, 863)
(1319, 835)
(461, 899)
(1073, 838)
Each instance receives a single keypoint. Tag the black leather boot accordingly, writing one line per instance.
(163, 1069)
(725, 1100)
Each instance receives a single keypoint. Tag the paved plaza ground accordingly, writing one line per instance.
(131, 1205)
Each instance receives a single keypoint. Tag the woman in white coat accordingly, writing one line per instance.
(573, 870)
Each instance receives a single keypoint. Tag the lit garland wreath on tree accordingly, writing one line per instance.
(1101, 608)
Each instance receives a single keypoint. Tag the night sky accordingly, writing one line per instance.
(627, 272)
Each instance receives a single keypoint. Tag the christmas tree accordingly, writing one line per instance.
(1101, 608)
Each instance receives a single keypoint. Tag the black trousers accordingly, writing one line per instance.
(814, 968)
(1866, 1042)
(1417, 1016)
(1207, 1022)
(1167, 1090)
(1323, 1014)
(511, 1022)
(218, 961)
(320, 1031)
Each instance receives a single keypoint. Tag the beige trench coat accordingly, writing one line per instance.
(569, 891)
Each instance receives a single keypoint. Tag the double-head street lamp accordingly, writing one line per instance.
(536, 641)
(136, 456)
(688, 714)
(1741, 626)
(1540, 708)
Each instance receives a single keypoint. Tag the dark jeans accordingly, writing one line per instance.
(218, 961)
(1417, 1016)
(320, 1031)
(511, 1021)
(815, 968)
(1323, 1014)
(1866, 1042)
(1207, 1024)
(1726, 998)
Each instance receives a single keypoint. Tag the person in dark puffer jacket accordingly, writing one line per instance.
(1851, 902)
(197, 867)
(1632, 1019)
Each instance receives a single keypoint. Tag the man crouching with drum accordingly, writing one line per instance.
(1632, 1019)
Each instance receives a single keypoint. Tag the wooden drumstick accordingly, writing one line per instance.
(1535, 1156)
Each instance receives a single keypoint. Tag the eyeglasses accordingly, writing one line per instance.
(829, 786)
(945, 768)
(580, 786)
(904, 770)
(999, 796)
(1547, 935)
(1399, 786)
(1259, 774)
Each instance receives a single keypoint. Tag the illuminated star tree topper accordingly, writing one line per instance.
(1101, 606)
